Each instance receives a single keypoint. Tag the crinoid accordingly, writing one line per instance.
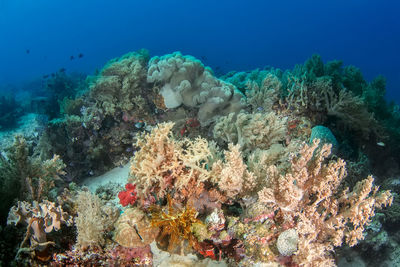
(175, 224)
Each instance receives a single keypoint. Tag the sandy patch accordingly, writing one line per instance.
(118, 175)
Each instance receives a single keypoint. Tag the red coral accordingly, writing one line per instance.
(128, 196)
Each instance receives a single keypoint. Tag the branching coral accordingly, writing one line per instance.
(309, 199)
(232, 176)
(265, 95)
(318, 99)
(251, 131)
(163, 163)
(352, 112)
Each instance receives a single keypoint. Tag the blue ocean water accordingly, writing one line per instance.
(42, 36)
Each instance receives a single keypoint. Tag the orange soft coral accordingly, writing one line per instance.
(175, 224)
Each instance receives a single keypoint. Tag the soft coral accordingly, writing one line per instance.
(128, 196)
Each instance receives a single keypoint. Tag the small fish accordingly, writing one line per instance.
(380, 144)
(80, 55)
(28, 51)
(62, 70)
(45, 76)
(53, 75)
(139, 124)
(91, 173)
(71, 58)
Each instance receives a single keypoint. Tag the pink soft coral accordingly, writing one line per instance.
(128, 196)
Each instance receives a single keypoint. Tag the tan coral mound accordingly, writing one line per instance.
(133, 229)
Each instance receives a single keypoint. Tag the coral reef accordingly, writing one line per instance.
(265, 95)
(118, 91)
(234, 171)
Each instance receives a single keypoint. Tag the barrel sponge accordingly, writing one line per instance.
(325, 135)
(184, 80)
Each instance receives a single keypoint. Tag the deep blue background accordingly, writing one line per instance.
(234, 35)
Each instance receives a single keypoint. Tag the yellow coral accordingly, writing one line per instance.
(175, 224)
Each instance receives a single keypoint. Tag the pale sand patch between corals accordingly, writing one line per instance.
(118, 175)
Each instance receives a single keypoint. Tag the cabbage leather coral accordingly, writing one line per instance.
(185, 81)
(41, 219)
(308, 198)
(175, 224)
